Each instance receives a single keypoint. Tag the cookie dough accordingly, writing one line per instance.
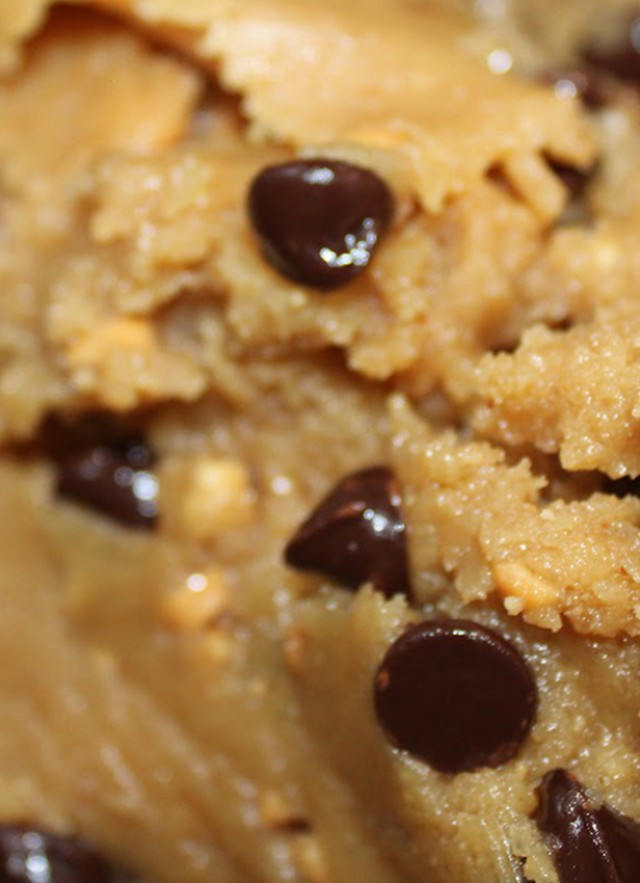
(319, 433)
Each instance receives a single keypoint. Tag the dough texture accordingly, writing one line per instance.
(182, 697)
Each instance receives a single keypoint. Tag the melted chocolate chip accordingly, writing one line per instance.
(319, 220)
(622, 59)
(456, 695)
(28, 855)
(356, 534)
(589, 844)
(115, 480)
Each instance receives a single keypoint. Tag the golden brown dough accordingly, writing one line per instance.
(180, 696)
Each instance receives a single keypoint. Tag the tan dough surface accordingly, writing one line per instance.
(193, 707)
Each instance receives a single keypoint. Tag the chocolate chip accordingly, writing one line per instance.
(456, 695)
(589, 844)
(115, 480)
(319, 220)
(571, 829)
(356, 534)
(29, 855)
(623, 838)
(622, 58)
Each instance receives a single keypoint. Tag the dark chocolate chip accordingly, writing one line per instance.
(570, 826)
(623, 837)
(455, 694)
(319, 220)
(28, 855)
(356, 534)
(115, 480)
(622, 59)
(589, 844)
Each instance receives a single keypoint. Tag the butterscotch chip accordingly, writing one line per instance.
(309, 859)
(515, 580)
(197, 604)
(295, 650)
(208, 495)
(276, 812)
(213, 647)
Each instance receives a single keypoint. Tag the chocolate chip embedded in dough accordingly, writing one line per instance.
(29, 855)
(455, 694)
(116, 481)
(319, 221)
(571, 829)
(356, 534)
(621, 59)
(588, 844)
(623, 837)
